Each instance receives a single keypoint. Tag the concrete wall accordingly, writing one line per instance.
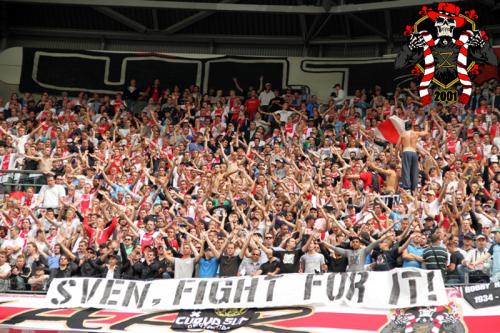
(10, 71)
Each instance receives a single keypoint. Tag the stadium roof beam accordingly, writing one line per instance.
(218, 38)
(302, 22)
(323, 24)
(193, 19)
(121, 35)
(227, 7)
(311, 29)
(113, 14)
(347, 25)
(367, 25)
(154, 16)
(339, 40)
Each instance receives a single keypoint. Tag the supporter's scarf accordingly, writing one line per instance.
(8, 162)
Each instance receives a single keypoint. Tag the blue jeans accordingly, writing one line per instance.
(409, 173)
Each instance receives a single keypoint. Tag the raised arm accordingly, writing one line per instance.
(245, 245)
(211, 245)
(309, 240)
(67, 251)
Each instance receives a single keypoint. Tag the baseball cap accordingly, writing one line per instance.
(469, 235)
(497, 229)
(481, 236)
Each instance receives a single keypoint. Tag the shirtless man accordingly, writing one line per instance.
(408, 141)
(45, 161)
(391, 180)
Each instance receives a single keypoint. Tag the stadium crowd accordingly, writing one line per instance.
(169, 183)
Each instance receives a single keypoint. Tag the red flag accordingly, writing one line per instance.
(390, 129)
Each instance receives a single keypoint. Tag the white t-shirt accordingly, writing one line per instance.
(183, 268)
(266, 97)
(20, 142)
(51, 195)
(110, 274)
(284, 115)
(18, 242)
(433, 207)
(312, 262)
(5, 268)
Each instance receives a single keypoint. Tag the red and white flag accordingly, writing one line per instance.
(390, 129)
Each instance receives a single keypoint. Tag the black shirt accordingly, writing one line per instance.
(455, 258)
(290, 260)
(386, 260)
(229, 265)
(270, 266)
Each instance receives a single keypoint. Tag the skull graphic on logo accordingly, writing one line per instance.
(445, 26)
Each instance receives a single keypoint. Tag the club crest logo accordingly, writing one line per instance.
(444, 49)
(434, 319)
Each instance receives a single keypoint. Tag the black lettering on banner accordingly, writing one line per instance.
(64, 293)
(309, 284)
(270, 287)
(132, 289)
(200, 292)
(430, 286)
(395, 290)
(240, 287)
(180, 290)
(331, 285)
(116, 291)
(107, 291)
(412, 283)
(85, 291)
(360, 285)
(226, 292)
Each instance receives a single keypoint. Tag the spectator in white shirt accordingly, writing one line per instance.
(266, 96)
(14, 245)
(51, 194)
(340, 94)
(4, 272)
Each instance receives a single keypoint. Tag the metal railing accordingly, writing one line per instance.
(25, 292)
(19, 180)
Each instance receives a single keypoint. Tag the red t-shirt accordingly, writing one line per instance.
(147, 240)
(252, 106)
(366, 177)
(101, 235)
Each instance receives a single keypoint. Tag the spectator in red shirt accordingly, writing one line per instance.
(252, 105)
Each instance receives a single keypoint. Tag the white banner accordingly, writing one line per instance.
(30, 314)
(385, 290)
